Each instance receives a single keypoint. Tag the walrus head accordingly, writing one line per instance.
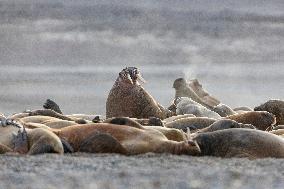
(131, 75)
(179, 83)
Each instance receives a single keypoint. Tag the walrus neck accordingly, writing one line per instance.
(179, 93)
(124, 83)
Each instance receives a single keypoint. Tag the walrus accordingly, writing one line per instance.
(262, 120)
(170, 133)
(223, 110)
(186, 105)
(239, 142)
(224, 124)
(173, 118)
(122, 139)
(195, 85)
(193, 123)
(183, 90)
(28, 141)
(275, 107)
(127, 98)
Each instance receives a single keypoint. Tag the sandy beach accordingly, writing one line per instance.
(142, 171)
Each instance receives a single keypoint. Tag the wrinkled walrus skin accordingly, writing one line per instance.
(238, 142)
(128, 98)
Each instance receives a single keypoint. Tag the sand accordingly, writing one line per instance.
(142, 171)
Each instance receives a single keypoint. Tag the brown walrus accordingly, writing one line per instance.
(170, 133)
(128, 98)
(182, 89)
(275, 107)
(111, 138)
(16, 138)
(238, 142)
(262, 120)
(203, 94)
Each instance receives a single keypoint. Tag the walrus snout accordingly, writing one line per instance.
(132, 75)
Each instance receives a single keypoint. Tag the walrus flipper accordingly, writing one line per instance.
(102, 143)
(4, 149)
(51, 105)
(66, 146)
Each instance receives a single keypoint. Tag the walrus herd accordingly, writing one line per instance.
(195, 124)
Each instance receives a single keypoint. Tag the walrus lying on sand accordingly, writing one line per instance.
(15, 138)
(240, 143)
(224, 124)
(186, 105)
(128, 98)
(275, 107)
(192, 123)
(262, 120)
(123, 139)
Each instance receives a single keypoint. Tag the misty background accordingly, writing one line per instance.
(72, 51)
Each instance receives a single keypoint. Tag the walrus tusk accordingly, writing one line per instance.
(140, 78)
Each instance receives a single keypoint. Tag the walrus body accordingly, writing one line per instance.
(128, 98)
(187, 106)
(37, 119)
(240, 143)
(261, 119)
(125, 139)
(224, 124)
(193, 123)
(223, 110)
(38, 141)
(170, 133)
(275, 107)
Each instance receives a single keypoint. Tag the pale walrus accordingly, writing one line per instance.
(186, 105)
(195, 85)
(183, 90)
(128, 98)
(111, 138)
(262, 120)
(224, 110)
(192, 123)
(28, 141)
(275, 107)
(238, 142)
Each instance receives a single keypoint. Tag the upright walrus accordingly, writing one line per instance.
(128, 98)
(238, 142)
